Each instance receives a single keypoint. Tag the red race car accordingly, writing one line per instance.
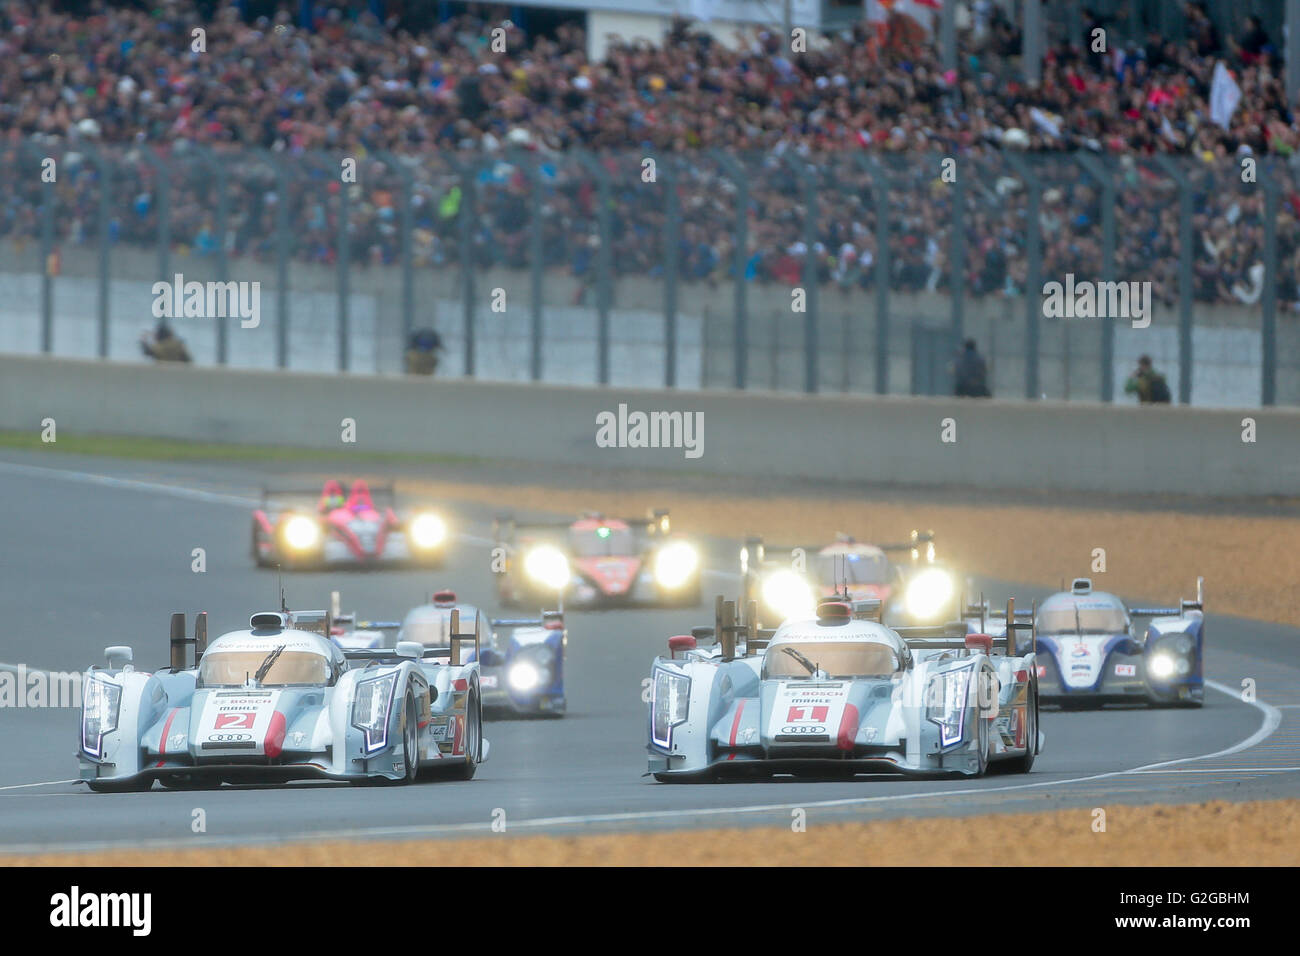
(356, 526)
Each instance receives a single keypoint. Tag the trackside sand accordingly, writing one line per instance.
(1211, 834)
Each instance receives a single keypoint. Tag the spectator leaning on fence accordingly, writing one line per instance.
(970, 374)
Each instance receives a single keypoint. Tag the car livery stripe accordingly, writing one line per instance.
(273, 743)
(162, 744)
(848, 728)
(735, 727)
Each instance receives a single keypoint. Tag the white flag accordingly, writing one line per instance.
(1225, 94)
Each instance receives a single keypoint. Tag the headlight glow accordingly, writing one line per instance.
(946, 696)
(100, 702)
(928, 594)
(789, 594)
(524, 676)
(1162, 665)
(669, 702)
(548, 566)
(371, 707)
(427, 531)
(301, 533)
(675, 564)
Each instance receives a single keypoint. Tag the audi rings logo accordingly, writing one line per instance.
(804, 730)
(229, 738)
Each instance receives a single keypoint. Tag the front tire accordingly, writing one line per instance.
(1025, 764)
(410, 739)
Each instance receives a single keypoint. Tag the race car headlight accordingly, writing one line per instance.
(1182, 643)
(1162, 665)
(547, 566)
(525, 676)
(675, 564)
(669, 702)
(301, 533)
(100, 702)
(789, 594)
(427, 531)
(928, 594)
(371, 707)
(945, 699)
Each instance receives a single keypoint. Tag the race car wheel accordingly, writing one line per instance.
(1025, 764)
(982, 744)
(258, 559)
(473, 736)
(410, 738)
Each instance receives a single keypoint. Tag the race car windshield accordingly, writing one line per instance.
(835, 659)
(835, 569)
(601, 542)
(1091, 620)
(218, 669)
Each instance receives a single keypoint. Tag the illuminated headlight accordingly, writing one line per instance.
(371, 707)
(301, 533)
(100, 701)
(675, 564)
(427, 531)
(524, 676)
(548, 566)
(946, 697)
(669, 702)
(1162, 665)
(928, 594)
(789, 594)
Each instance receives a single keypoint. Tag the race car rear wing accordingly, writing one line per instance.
(452, 652)
(953, 636)
(1183, 605)
(551, 620)
(388, 492)
(505, 527)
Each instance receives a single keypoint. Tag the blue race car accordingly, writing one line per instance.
(523, 665)
(1092, 649)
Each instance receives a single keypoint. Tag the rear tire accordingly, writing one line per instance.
(1025, 764)
(473, 736)
(411, 738)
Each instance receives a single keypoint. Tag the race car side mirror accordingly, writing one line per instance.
(680, 644)
(409, 649)
(118, 656)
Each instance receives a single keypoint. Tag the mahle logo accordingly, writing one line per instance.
(1098, 300)
(208, 300)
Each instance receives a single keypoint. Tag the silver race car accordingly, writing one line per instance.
(281, 701)
(839, 693)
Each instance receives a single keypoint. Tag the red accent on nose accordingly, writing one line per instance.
(682, 642)
(1022, 676)
(460, 684)
(274, 742)
(848, 728)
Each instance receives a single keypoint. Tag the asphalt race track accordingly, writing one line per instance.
(98, 552)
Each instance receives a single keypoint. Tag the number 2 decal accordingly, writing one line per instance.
(234, 722)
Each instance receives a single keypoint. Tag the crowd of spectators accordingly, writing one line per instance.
(127, 84)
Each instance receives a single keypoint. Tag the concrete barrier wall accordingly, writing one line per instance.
(1008, 445)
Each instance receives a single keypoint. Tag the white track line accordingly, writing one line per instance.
(44, 783)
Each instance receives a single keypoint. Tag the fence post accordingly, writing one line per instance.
(345, 291)
(880, 187)
(47, 248)
(805, 176)
(1034, 273)
(1185, 280)
(283, 244)
(163, 173)
(1096, 168)
(672, 251)
(740, 261)
(406, 224)
(221, 173)
(102, 163)
(957, 255)
(604, 261)
(468, 173)
(1268, 316)
(536, 248)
